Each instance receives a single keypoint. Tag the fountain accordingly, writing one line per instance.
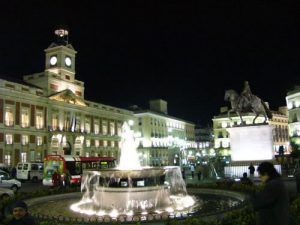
(131, 189)
(131, 193)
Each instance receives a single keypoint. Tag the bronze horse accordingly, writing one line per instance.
(239, 105)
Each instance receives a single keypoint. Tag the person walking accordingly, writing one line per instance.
(272, 203)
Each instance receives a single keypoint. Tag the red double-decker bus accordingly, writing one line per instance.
(74, 166)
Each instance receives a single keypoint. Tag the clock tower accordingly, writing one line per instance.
(59, 73)
(60, 56)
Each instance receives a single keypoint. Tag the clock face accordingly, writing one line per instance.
(68, 61)
(53, 60)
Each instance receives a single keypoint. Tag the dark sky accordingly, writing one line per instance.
(185, 52)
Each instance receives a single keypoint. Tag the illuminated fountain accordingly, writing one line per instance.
(131, 189)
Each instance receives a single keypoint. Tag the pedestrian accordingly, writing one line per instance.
(251, 170)
(272, 203)
(13, 172)
(245, 180)
(67, 179)
(183, 172)
(56, 179)
(20, 214)
(192, 171)
(199, 171)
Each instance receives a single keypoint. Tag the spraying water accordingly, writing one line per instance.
(129, 159)
(131, 189)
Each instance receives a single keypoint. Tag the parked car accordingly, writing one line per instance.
(30, 171)
(6, 181)
(4, 167)
(5, 193)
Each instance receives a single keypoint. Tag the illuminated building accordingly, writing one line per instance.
(163, 139)
(47, 113)
(293, 105)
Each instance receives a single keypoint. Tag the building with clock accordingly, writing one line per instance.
(47, 113)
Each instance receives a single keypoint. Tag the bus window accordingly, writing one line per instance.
(78, 168)
(70, 165)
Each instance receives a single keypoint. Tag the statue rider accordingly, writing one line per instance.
(246, 95)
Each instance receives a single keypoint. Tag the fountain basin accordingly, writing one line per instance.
(138, 198)
(131, 190)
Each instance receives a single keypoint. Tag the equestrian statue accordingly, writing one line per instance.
(247, 102)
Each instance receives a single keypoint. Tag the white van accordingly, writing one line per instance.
(30, 171)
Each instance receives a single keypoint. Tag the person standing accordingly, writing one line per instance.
(21, 215)
(192, 171)
(251, 170)
(67, 179)
(272, 203)
(14, 172)
(245, 180)
(56, 179)
(199, 171)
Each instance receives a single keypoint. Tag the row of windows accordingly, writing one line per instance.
(161, 123)
(24, 139)
(25, 118)
(69, 123)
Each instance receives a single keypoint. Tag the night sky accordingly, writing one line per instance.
(185, 52)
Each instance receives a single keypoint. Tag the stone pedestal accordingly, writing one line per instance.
(251, 143)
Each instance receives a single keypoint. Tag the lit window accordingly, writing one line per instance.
(55, 121)
(39, 120)
(96, 143)
(112, 128)
(9, 116)
(8, 139)
(105, 143)
(23, 157)
(104, 127)
(25, 139)
(7, 159)
(87, 125)
(96, 127)
(25, 117)
(119, 129)
(67, 122)
(112, 144)
(39, 140)
(55, 142)
(77, 123)
(88, 143)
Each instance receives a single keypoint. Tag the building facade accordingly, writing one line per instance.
(293, 105)
(163, 139)
(47, 113)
